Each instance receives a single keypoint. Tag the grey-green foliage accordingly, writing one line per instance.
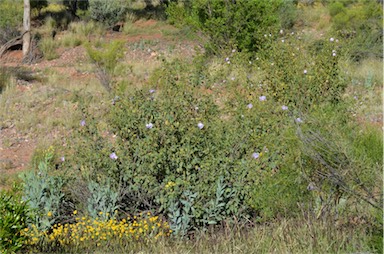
(217, 209)
(184, 215)
(181, 213)
(102, 199)
(43, 193)
(107, 11)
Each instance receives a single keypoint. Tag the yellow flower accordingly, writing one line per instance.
(49, 214)
(75, 212)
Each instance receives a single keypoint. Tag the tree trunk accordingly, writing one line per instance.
(27, 28)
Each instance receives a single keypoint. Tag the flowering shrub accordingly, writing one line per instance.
(313, 75)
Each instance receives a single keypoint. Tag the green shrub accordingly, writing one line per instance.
(107, 12)
(14, 218)
(11, 13)
(227, 23)
(11, 19)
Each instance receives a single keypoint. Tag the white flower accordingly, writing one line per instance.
(284, 107)
(149, 125)
(305, 71)
(250, 106)
(255, 155)
(233, 50)
(262, 98)
(331, 39)
(200, 125)
(113, 156)
(298, 120)
(281, 31)
(282, 41)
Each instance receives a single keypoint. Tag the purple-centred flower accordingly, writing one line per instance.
(149, 125)
(152, 91)
(284, 107)
(262, 98)
(250, 106)
(82, 122)
(255, 155)
(200, 125)
(113, 156)
(298, 120)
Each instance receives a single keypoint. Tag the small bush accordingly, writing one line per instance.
(14, 218)
(107, 12)
(43, 192)
(105, 59)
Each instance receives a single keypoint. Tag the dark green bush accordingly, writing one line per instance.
(234, 23)
(14, 218)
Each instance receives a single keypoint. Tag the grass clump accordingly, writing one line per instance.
(48, 47)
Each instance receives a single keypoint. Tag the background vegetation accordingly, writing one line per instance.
(262, 141)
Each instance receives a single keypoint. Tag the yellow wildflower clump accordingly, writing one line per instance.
(88, 231)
